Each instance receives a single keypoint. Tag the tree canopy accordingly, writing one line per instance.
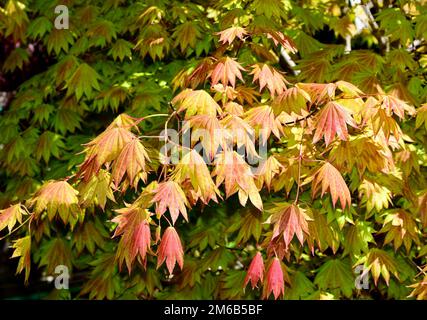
(232, 149)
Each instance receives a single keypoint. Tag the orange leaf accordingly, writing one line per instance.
(332, 120)
(11, 215)
(328, 177)
(56, 197)
(262, 119)
(131, 160)
(226, 71)
(170, 195)
(289, 220)
(270, 77)
(240, 133)
(209, 130)
(231, 168)
(228, 35)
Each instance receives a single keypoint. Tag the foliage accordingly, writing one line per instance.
(86, 181)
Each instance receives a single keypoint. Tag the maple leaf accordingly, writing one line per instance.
(196, 102)
(136, 237)
(186, 35)
(358, 237)
(169, 195)
(83, 81)
(233, 108)
(270, 77)
(269, 8)
(336, 275)
(274, 280)
(11, 215)
(54, 252)
(256, 271)
(228, 35)
(131, 160)
(267, 170)
(279, 38)
(319, 92)
(237, 176)
(209, 130)
(332, 120)
(22, 250)
(400, 227)
(322, 232)
(225, 71)
(398, 107)
(197, 76)
(249, 225)
(419, 289)
(49, 144)
(89, 235)
(104, 281)
(170, 249)
(56, 197)
(193, 166)
(292, 100)
(384, 123)
(421, 116)
(289, 220)
(328, 177)
(59, 39)
(348, 89)
(96, 190)
(263, 121)
(379, 262)
(239, 132)
(105, 148)
(121, 49)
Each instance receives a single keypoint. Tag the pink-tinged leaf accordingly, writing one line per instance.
(170, 249)
(289, 220)
(136, 236)
(333, 119)
(228, 35)
(329, 178)
(274, 281)
(270, 77)
(226, 70)
(10, 216)
(255, 271)
(169, 195)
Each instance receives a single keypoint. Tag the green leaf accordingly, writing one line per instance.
(83, 81)
(336, 276)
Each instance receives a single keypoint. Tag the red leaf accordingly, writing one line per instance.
(255, 271)
(274, 280)
(170, 249)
